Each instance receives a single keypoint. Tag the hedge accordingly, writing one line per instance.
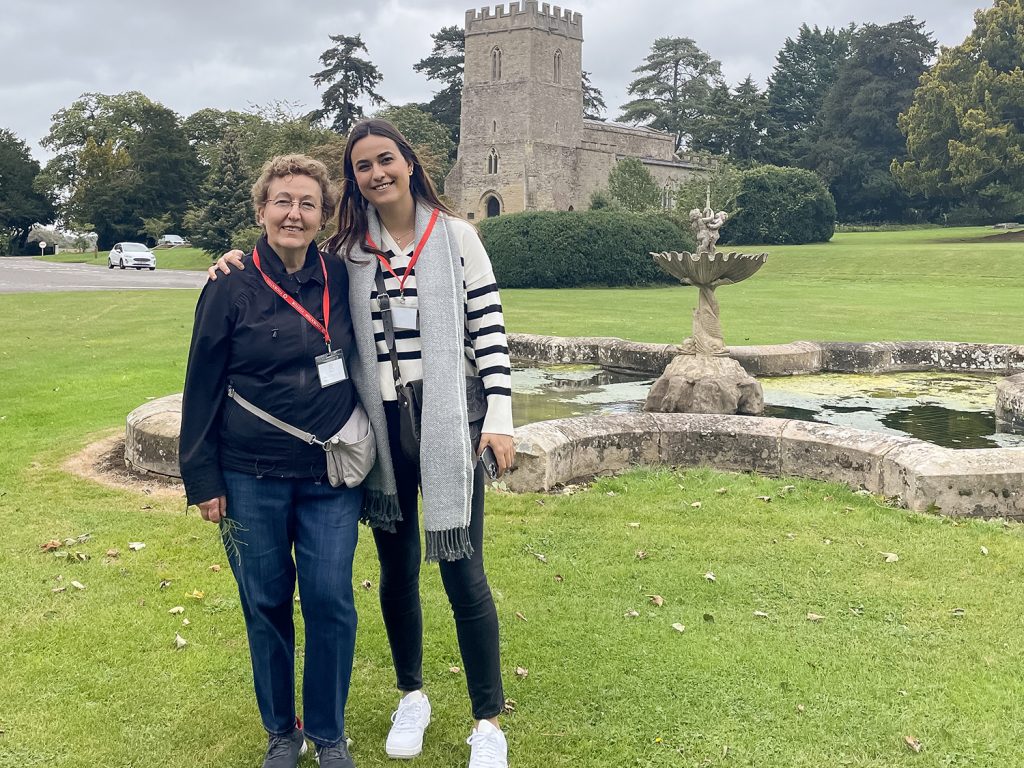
(783, 206)
(569, 249)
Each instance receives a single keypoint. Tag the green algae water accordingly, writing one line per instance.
(954, 410)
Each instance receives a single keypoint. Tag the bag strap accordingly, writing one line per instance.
(384, 300)
(305, 437)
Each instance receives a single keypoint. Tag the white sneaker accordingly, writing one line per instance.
(488, 747)
(409, 721)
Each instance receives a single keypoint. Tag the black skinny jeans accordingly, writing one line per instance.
(476, 619)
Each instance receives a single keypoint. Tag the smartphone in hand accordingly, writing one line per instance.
(490, 462)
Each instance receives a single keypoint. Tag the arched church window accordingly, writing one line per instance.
(492, 161)
(495, 63)
(493, 206)
(558, 67)
(667, 198)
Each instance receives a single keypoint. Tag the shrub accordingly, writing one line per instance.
(781, 205)
(567, 249)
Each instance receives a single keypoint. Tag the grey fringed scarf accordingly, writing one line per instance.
(446, 457)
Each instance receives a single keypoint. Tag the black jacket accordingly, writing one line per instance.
(247, 335)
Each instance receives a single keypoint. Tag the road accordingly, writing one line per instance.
(27, 275)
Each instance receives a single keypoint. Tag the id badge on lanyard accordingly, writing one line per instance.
(404, 314)
(330, 367)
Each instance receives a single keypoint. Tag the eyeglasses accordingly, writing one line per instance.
(285, 204)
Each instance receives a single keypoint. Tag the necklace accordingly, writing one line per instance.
(400, 238)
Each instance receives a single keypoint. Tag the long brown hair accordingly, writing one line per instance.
(352, 220)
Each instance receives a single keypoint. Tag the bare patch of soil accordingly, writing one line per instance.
(103, 462)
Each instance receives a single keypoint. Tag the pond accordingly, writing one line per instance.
(949, 409)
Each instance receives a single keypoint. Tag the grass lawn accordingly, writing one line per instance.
(166, 258)
(924, 647)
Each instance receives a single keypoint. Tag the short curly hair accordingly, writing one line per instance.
(296, 165)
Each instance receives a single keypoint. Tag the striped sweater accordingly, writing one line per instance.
(486, 345)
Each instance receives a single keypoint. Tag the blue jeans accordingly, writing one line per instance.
(271, 516)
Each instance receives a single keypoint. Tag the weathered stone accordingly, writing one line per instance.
(729, 443)
(956, 356)
(1010, 404)
(778, 359)
(704, 384)
(837, 454)
(853, 357)
(151, 437)
(986, 482)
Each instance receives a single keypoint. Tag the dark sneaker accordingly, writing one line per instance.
(334, 757)
(284, 751)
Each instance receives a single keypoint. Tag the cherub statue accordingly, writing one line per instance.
(706, 224)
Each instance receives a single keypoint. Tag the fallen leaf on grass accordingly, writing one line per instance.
(81, 556)
(760, 615)
(454, 670)
(146, 506)
(58, 589)
(678, 627)
(176, 610)
(113, 553)
(185, 622)
(510, 705)
(847, 509)
(165, 583)
(215, 568)
(633, 525)
(696, 505)
(51, 545)
(632, 613)
(539, 556)
(721, 490)
(520, 616)
(984, 550)
(814, 617)
(862, 492)
(135, 546)
(765, 499)
(788, 488)
(522, 672)
(914, 745)
(800, 708)
(958, 613)
(710, 576)
(611, 493)
(179, 642)
(196, 594)
(657, 600)
(826, 541)
(366, 584)
(77, 585)
(558, 578)
(62, 554)
(641, 554)
(890, 557)
(857, 610)
(791, 536)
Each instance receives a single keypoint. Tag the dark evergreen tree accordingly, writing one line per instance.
(593, 100)
(859, 136)
(226, 208)
(445, 65)
(674, 88)
(805, 69)
(348, 78)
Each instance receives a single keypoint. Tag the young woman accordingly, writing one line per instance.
(442, 318)
(264, 334)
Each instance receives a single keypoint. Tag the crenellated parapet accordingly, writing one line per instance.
(528, 14)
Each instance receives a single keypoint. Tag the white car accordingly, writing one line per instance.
(171, 241)
(134, 255)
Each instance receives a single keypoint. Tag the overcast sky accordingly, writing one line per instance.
(228, 54)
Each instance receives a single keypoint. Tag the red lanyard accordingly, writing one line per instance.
(415, 254)
(322, 327)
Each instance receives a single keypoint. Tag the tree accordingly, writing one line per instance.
(632, 185)
(674, 88)
(21, 205)
(348, 78)
(226, 209)
(430, 139)
(735, 123)
(445, 64)
(118, 160)
(859, 133)
(805, 70)
(593, 99)
(965, 126)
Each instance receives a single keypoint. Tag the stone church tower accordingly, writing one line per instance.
(524, 143)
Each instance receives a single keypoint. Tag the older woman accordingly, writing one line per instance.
(277, 338)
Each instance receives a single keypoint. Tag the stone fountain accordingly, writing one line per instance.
(702, 378)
